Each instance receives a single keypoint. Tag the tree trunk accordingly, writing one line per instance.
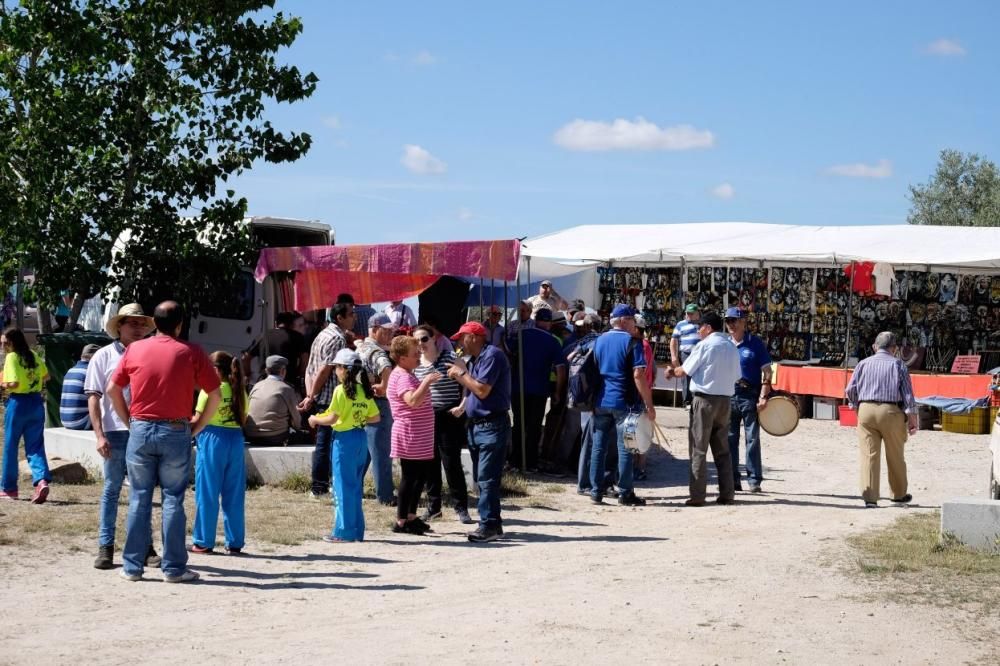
(44, 319)
(75, 310)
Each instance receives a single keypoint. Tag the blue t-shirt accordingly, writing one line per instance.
(73, 402)
(610, 350)
(542, 352)
(686, 332)
(753, 358)
(490, 367)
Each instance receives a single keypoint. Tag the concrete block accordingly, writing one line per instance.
(973, 521)
(270, 464)
(76, 445)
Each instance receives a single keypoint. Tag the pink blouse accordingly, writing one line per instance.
(412, 427)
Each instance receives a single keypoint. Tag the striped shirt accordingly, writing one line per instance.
(686, 332)
(412, 427)
(73, 402)
(881, 378)
(446, 392)
(324, 349)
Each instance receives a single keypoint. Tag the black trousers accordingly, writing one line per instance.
(416, 474)
(449, 437)
(534, 413)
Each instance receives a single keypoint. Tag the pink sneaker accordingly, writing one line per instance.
(41, 492)
(8, 494)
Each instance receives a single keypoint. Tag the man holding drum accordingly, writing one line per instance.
(751, 394)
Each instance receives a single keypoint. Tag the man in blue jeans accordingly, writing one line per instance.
(751, 394)
(487, 405)
(128, 326)
(162, 373)
(376, 362)
(624, 389)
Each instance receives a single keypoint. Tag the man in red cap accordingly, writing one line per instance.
(486, 382)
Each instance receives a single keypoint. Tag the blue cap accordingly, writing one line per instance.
(622, 310)
(735, 313)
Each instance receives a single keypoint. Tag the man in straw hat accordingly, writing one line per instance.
(129, 325)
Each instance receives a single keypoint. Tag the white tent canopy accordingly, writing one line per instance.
(906, 247)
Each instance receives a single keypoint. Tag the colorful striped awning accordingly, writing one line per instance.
(394, 271)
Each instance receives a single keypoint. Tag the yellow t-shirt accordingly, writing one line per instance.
(224, 414)
(29, 380)
(352, 413)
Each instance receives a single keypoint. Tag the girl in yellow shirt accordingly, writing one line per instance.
(24, 374)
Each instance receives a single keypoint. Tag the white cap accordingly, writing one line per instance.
(346, 357)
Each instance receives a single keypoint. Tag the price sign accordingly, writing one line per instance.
(966, 365)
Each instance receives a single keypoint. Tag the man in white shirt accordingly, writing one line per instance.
(400, 315)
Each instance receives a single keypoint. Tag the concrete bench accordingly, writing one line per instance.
(973, 521)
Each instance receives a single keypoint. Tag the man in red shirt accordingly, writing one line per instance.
(162, 374)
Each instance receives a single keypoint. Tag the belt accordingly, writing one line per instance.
(708, 395)
(477, 420)
(882, 402)
(134, 418)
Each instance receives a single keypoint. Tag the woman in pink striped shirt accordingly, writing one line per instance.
(412, 430)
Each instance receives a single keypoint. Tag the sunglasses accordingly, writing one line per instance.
(423, 339)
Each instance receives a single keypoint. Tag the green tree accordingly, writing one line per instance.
(119, 120)
(964, 192)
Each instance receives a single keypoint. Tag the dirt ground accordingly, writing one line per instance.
(769, 580)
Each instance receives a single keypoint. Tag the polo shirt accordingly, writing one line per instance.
(541, 353)
(686, 332)
(73, 401)
(102, 365)
(753, 357)
(714, 366)
(29, 380)
(163, 373)
(610, 350)
(490, 367)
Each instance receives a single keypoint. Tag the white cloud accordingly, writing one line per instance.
(333, 122)
(424, 58)
(465, 214)
(419, 160)
(882, 169)
(945, 47)
(724, 191)
(622, 134)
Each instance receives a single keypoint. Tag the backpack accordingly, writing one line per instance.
(584, 378)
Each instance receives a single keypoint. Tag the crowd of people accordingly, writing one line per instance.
(552, 390)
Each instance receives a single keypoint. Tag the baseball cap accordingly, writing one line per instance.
(640, 321)
(623, 310)
(89, 351)
(274, 362)
(346, 357)
(692, 307)
(473, 328)
(546, 283)
(380, 320)
(543, 314)
(735, 313)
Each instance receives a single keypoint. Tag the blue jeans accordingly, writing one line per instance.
(159, 453)
(608, 432)
(744, 409)
(350, 455)
(220, 472)
(114, 477)
(379, 445)
(25, 416)
(321, 459)
(587, 451)
(488, 448)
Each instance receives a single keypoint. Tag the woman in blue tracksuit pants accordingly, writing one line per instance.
(220, 470)
(24, 374)
(352, 407)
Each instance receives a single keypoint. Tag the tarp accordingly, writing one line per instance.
(906, 247)
(387, 272)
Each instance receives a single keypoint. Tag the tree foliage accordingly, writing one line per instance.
(119, 120)
(964, 191)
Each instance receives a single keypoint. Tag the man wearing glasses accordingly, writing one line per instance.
(548, 298)
(492, 323)
(751, 393)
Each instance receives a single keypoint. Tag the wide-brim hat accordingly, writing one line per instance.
(131, 310)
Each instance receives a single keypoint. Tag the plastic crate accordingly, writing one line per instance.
(825, 408)
(848, 417)
(976, 422)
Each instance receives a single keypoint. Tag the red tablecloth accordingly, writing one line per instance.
(831, 382)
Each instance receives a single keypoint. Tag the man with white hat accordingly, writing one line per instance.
(126, 327)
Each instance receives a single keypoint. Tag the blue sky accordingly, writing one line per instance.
(459, 120)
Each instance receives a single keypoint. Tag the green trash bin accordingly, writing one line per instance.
(61, 352)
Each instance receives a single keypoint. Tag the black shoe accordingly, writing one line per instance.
(738, 487)
(484, 535)
(726, 500)
(421, 525)
(105, 557)
(152, 559)
(463, 516)
(905, 499)
(596, 499)
(871, 505)
(631, 499)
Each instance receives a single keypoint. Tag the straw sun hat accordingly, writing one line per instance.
(130, 310)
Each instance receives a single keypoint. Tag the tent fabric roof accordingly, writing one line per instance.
(903, 246)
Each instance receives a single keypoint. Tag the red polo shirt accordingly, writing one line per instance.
(163, 373)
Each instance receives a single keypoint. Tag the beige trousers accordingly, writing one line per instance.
(879, 423)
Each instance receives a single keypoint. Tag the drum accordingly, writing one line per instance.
(637, 432)
(780, 415)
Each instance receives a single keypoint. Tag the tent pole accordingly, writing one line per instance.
(850, 309)
(527, 287)
(481, 318)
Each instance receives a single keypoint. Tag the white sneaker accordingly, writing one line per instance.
(185, 577)
(130, 577)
